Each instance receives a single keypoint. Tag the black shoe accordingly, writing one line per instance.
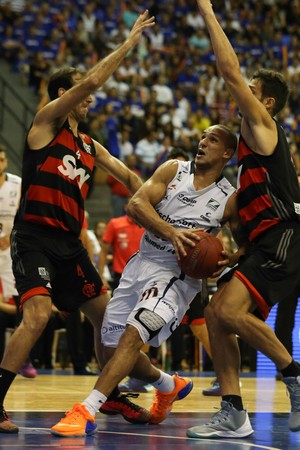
(6, 426)
(84, 371)
(130, 411)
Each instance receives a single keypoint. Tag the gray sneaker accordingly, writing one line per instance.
(226, 423)
(293, 387)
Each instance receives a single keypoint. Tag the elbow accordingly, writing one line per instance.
(133, 208)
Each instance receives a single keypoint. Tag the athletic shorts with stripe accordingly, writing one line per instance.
(146, 284)
(54, 263)
(270, 270)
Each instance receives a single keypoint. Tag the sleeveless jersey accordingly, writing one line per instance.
(268, 189)
(56, 181)
(10, 193)
(184, 207)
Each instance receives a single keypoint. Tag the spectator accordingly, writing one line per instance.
(121, 237)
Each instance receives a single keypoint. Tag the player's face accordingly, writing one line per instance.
(3, 162)
(211, 146)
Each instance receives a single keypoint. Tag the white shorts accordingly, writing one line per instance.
(6, 274)
(147, 285)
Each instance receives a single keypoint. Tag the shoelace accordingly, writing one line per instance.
(80, 412)
(162, 401)
(221, 415)
(293, 390)
(124, 399)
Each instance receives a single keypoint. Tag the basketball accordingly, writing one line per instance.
(201, 260)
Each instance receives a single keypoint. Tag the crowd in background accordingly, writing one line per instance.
(167, 91)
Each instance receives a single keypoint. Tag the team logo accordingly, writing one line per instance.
(89, 290)
(213, 204)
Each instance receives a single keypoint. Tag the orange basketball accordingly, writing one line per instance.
(201, 260)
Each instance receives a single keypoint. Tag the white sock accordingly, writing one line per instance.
(94, 401)
(165, 383)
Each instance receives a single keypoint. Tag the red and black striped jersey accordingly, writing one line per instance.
(56, 180)
(268, 189)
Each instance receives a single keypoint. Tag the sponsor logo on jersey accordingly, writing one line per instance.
(69, 169)
(186, 200)
(297, 208)
(213, 204)
(87, 148)
(206, 217)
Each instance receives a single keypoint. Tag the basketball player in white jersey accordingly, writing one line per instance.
(153, 294)
(10, 191)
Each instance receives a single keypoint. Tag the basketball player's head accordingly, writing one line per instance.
(64, 79)
(216, 147)
(271, 89)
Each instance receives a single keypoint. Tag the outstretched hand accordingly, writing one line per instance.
(142, 22)
(204, 6)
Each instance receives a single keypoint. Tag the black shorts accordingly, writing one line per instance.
(195, 313)
(53, 262)
(270, 270)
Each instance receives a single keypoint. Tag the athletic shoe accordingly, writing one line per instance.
(214, 390)
(28, 371)
(77, 422)
(163, 403)
(85, 371)
(6, 426)
(293, 387)
(228, 422)
(135, 385)
(130, 411)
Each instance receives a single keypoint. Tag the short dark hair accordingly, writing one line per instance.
(273, 85)
(62, 78)
(175, 152)
(231, 140)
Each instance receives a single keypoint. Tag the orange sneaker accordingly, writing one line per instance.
(163, 403)
(78, 422)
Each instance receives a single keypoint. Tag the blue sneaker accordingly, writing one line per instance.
(135, 385)
(214, 390)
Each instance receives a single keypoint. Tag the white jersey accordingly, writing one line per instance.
(184, 207)
(10, 193)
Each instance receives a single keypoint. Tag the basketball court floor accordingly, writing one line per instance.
(37, 404)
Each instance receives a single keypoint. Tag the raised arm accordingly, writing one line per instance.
(258, 128)
(117, 169)
(96, 76)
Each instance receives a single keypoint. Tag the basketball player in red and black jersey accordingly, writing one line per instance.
(269, 208)
(50, 263)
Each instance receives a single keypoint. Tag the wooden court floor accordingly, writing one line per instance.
(37, 404)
